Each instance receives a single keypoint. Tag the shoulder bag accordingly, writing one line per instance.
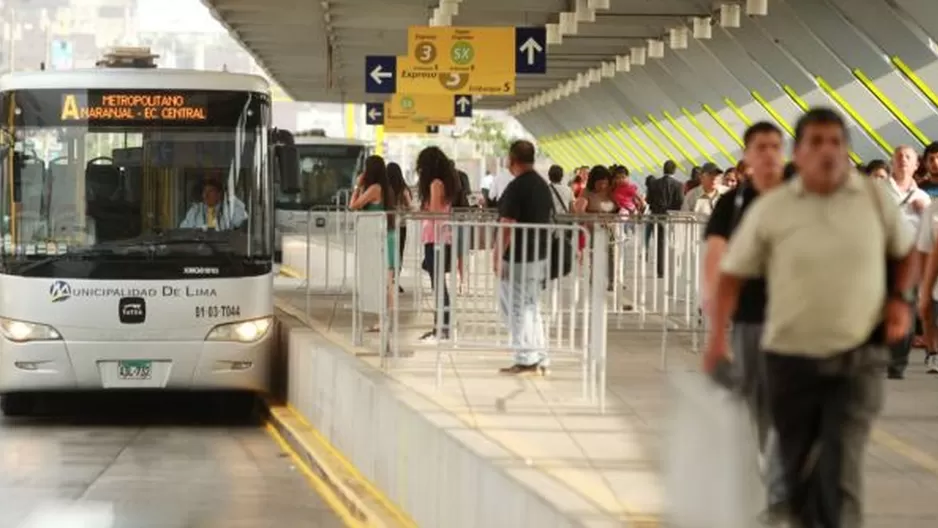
(561, 245)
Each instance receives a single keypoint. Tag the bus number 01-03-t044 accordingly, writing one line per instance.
(217, 311)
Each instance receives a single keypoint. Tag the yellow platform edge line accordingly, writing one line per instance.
(287, 271)
(625, 513)
(325, 491)
(910, 452)
(361, 499)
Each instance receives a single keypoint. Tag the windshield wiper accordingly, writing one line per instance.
(79, 254)
(148, 245)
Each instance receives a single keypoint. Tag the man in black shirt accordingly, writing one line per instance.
(930, 163)
(663, 194)
(763, 154)
(520, 263)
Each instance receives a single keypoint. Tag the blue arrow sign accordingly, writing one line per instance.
(531, 50)
(462, 105)
(374, 114)
(380, 74)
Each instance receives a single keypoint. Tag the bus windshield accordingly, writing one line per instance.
(327, 175)
(133, 184)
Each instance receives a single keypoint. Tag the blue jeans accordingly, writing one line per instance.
(519, 296)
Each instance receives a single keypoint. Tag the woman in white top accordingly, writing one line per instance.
(563, 195)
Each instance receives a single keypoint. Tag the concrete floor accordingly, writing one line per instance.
(608, 467)
(155, 462)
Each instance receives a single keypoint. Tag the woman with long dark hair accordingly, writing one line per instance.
(403, 200)
(437, 186)
(598, 199)
(374, 193)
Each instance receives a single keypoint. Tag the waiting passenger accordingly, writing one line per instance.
(877, 169)
(929, 183)
(520, 264)
(213, 212)
(403, 200)
(703, 198)
(373, 193)
(912, 203)
(563, 195)
(730, 179)
(663, 194)
(437, 186)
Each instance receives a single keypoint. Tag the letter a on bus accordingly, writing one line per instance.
(70, 108)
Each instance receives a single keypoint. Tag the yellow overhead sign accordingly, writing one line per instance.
(407, 126)
(392, 120)
(463, 49)
(415, 78)
(421, 106)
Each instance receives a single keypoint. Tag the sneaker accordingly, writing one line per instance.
(931, 362)
(521, 370)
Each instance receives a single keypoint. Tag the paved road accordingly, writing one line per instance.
(153, 465)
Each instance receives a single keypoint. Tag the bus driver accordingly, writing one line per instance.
(211, 212)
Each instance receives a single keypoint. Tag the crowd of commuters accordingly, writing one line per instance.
(812, 309)
(816, 278)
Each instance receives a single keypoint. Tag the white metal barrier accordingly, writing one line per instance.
(615, 273)
(652, 290)
(475, 309)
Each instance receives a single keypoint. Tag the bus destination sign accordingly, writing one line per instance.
(133, 107)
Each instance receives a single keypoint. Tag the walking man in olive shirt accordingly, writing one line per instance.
(825, 357)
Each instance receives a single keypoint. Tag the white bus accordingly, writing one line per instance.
(327, 171)
(137, 230)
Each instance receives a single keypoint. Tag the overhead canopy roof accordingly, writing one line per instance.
(315, 49)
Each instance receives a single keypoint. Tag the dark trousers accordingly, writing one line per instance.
(660, 244)
(899, 352)
(660, 247)
(823, 410)
(430, 266)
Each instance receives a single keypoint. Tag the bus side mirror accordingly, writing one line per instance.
(288, 162)
(289, 165)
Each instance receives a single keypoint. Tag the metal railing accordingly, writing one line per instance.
(620, 283)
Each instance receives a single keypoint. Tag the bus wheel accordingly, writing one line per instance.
(16, 403)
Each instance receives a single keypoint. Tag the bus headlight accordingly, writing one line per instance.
(21, 331)
(243, 331)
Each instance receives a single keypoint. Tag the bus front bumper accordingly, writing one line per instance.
(179, 365)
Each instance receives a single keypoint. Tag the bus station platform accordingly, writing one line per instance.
(479, 449)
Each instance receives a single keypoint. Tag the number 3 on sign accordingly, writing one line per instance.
(426, 52)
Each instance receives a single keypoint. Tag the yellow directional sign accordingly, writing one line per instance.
(463, 49)
(421, 106)
(415, 78)
(392, 119)
(406, 126)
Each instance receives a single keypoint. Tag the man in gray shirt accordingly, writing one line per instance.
(703, 198)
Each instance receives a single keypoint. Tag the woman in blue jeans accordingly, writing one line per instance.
(437, 187)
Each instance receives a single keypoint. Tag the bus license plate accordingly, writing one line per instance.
(134, 370)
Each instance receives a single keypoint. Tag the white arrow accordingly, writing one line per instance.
(462, 103)
(374, 114)
(532, 48)
(454, 80)
(378, 74)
